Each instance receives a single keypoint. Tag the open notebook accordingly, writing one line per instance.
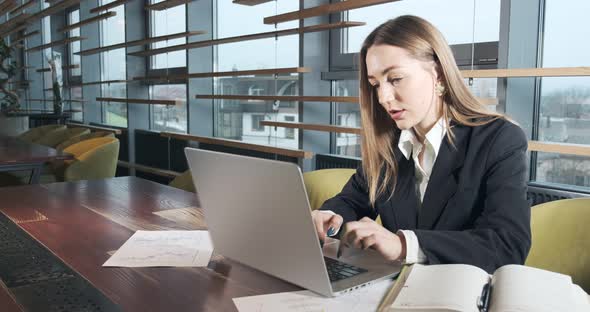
(459, 287)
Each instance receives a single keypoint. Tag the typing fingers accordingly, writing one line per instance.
(334, 224)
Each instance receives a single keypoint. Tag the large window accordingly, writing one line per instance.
(166, 117)
(113, 66)
(166, 22)
(239, 119)
(455, 19)
(565, 102)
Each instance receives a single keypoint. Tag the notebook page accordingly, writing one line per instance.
(450, 287)
(581, 299)
(521, 288)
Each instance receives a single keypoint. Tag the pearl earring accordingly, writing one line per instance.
(439, 88)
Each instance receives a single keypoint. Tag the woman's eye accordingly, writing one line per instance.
(394, 81)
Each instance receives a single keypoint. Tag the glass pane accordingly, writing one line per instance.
(347, 115)
(165, 117)
(166, 22)
(115, 113)
(78, 110)
(457, 29)
(113, 66)
(74, 17)
(565, 101)
(240, 119)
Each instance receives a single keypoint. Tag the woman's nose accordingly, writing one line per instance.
(386, 97)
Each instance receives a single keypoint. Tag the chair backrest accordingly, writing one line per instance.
(184, 182)
(95, 159)
(561, 240)
(86, 146)
(87, 136)
(324, 184)
(54, 138)
(35, 133)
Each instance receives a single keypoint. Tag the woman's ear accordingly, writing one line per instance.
(436, 72)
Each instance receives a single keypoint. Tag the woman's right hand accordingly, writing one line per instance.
(326, 223)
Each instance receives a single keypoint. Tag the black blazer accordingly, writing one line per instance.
(474, 210)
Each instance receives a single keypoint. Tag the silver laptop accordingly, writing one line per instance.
(258, 214)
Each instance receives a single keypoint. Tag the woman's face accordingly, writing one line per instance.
(404, 85)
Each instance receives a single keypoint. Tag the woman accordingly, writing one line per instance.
(446, 176)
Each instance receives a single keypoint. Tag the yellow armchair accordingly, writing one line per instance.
(324, 184)
(561, 240)
(94, 159)
(99, 134)
(184, 182)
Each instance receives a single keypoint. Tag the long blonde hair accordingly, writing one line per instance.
(379, 133)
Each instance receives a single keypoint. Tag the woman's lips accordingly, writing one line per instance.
(397, 114)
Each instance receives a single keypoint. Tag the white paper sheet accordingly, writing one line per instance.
(164, 249)
(364, 299)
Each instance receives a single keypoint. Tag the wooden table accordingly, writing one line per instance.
(84, 222)
(18, 155)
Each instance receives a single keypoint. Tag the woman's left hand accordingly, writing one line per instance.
(367, 233)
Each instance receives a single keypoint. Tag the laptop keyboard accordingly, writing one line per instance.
(339, 270)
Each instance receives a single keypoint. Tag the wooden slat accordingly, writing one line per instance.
(251, 2)
(294, 98)
(54, 8)
(95, 128)
(560, 148)
(7, 6)
(270, 71)
(323, 10)
(103, 82)
(108, 6)
(22, 7)
(140, 101)
(88, 21)
(239, 144)
(152, 170)
(16, 22)
(140, 42)
(315, 127)
(527, 72)
(13, 30)
(23, 37)
(287, 98)
(270, 34)
(163, 5)
(42, 70)
(51, 100)
(55, 43)
(488, 101)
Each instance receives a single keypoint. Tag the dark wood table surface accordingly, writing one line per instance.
(18, 155)
(84, 222)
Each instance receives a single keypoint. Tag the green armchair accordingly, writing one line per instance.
(324, 184)
(54, 138)
(36, 133)
(184, 182)
(561, 241)
(94, 159)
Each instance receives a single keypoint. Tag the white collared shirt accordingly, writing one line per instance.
(411, 147)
